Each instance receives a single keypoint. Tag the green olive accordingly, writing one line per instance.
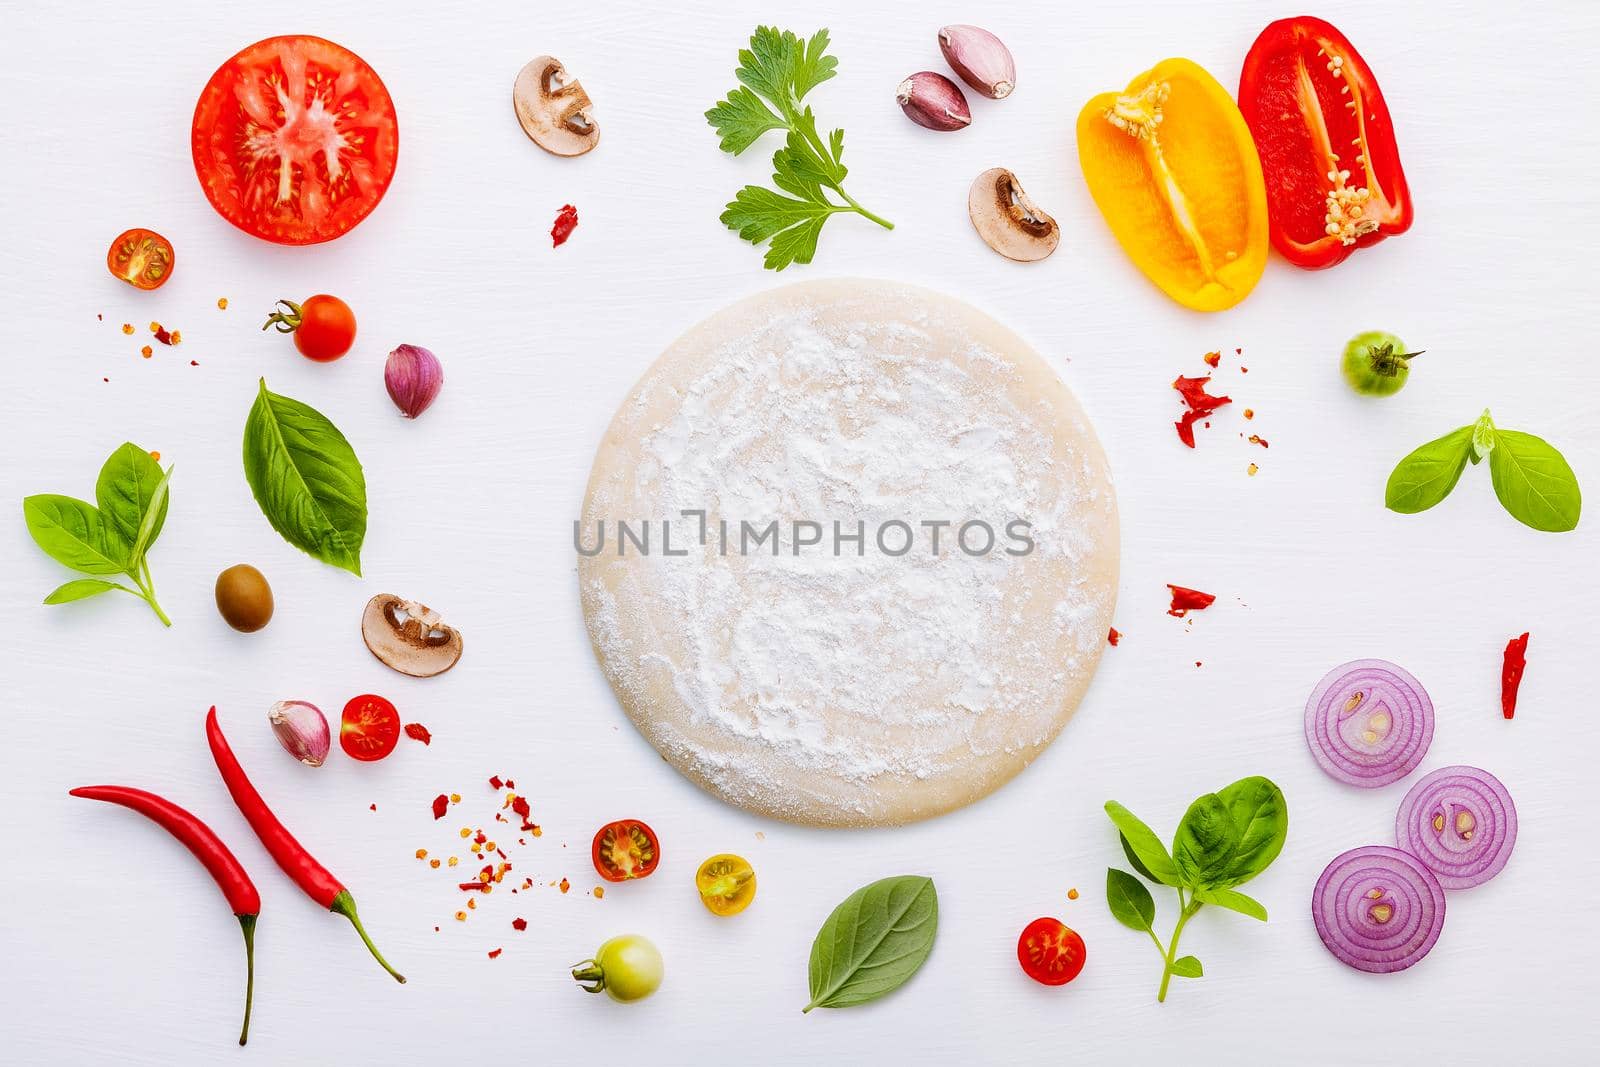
(244, 598)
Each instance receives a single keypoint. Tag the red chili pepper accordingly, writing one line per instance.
(312, 877)
(1187, 600)
(1511, 673)
(208, 848)
(1334, 182)
(566, 222)
(418, 732)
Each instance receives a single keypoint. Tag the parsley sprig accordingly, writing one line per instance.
(776, 72)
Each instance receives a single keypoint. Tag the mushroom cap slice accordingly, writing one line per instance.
(554, 109)
(409, 637)
(1007, 220)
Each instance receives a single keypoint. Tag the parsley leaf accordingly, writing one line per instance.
(775, 74)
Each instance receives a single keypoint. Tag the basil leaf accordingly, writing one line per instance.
(873, 942)
(1534, 482)
(1145, 845)
(306, 478)
(126, 490)
(1134, 861)
(1233, 900)
(82, 589)
(154, 515)
(1187, 967)
(1484, 436)
(1261, 817)
(73, 534)
(1427, 475)
(1204, 844)
(1129, 900)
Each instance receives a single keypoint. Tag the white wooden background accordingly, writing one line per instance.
(114, 947)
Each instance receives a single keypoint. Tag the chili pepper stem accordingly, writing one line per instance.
(248, 924)
(344, 904)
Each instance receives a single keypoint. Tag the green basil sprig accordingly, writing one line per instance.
(112, 538)
(1531, 478)
(1225, 839)
(873, 942)
(306, 478)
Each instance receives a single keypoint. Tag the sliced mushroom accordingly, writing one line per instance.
(409, 637)
(1007, 220)
(554, 109)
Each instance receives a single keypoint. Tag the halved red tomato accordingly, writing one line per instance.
(1050, 952)
(295, 140)
(369, 729)
(625, 849)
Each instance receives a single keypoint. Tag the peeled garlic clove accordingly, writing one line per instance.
(933, 101)
(301, 729)
(413, 377)
(980, 59)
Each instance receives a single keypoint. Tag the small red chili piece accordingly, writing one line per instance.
(1113, 638)
(1187, 600)
(566, 222)
(519, 924)
(494, 953)
(441, 804)
(1200, 403)
(418, 732)
(1511, 673)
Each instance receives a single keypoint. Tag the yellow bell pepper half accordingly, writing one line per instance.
(1172, 167)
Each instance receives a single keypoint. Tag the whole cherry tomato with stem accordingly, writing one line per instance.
(1376, 363)
(324, 327)
(625, 968)
(1050, 951)
(624, 850)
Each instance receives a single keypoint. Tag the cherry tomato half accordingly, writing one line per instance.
(727, 884)
(369, 729)
(1050, 952)
(142, 258)
(294, 140)
(625, 849)
(324, 327)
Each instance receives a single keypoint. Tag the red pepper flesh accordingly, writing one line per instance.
(1187, 600)
(1322, 129)
(566, 222)
(219, 861)
(312, 877)
(1511, 674)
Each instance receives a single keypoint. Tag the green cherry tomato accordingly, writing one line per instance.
(626, 969)
(1377, 363)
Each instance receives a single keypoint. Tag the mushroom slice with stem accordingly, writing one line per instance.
(554, 109)
(409, 637)
(1007, 220)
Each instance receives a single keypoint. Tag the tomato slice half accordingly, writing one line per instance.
(625, 849)
(142, 258)
(295, 140)
(369, 729)
(1050, 952)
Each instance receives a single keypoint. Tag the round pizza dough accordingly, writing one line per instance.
(849, 682)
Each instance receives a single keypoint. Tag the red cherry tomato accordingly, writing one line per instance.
(625, 849)
(294, 140)
(1050, 952)
(369, 729)
(324, 327)
(142, 258)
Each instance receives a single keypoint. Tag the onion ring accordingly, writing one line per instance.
(1378, 909)
(1460, 822)
(1369, 723)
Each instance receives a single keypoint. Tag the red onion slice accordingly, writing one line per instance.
(1378, 909)
(1460, 822)
(1369, 723)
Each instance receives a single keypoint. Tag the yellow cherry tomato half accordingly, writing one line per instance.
(727, 884)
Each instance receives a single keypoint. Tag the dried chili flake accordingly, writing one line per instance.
(422, 853)
(155, 456)
(1251, 470)
(1199, 402)
(495, 782)
(510, 784)
(481, 887)
(479, 838)
(472, 905)
(1187, 600)
(494, 953)
(566, 222)
(161, 332)
(127, 328)
(441, 804)
(222, 303)
(1072, 894)
(1249, 413)
(418, 732)
(372, 807)
(455, 798)
(519, 805)
(461, 916)
(565, 885)
(1257, 439)
(1212, 358)
(1516, 660)
(519, 924)
(452, 861)
(1113, 638)
(434, 864)
(147, 351)
(599, 891)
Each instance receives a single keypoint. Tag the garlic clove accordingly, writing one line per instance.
(980, 59)
(933, 101)
(413, 377)
(302, 730)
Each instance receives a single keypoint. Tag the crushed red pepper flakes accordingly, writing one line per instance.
(222, 303)
(1199, 402)
(1257, 439)
(1252, 469)
(480, 887)
(434, 864)
(565, 885)
(566, 222)
(1072, 894)
(127, 328)
(441, 804)
(147, 351)
(1212, 358)
(1515, 662)
(1249, 413)
(155, 456)
(1187, 600)
(496, 783)
(494, 953)
(519, 924)
(418, 732)
(372, 807)
(599, 892)
(1113, 638)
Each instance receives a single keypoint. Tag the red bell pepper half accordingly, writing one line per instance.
(1334, 182)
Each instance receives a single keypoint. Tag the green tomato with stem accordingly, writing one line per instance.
(1377, 363)
(626, 969)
